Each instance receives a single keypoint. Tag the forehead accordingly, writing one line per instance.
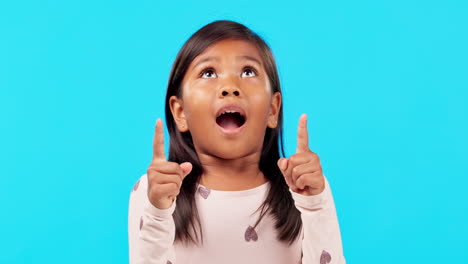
(230, 48)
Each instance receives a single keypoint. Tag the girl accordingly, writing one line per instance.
(225, 195)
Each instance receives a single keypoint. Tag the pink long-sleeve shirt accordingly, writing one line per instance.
(227, 218)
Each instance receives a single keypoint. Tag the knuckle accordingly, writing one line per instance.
(177, 185)
(174, 188)
(314, 156)
(150, 169)
(177, 191)
(151, 176)
(154, 175)
(293, 159)
(154, 166)
(156, 163)
(171, 165)
(300, 183)
(315, 181)
(174, 167)
(178, 181)
(311, 180)
(295, 171)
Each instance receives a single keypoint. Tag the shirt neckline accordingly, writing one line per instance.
(259, 189)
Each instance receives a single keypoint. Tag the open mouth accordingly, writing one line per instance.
(230, 120)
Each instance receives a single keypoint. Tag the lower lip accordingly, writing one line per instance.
(231, 131)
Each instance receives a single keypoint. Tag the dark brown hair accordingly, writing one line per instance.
(279, 203)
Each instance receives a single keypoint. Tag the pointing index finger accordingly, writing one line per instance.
(158, 142)
(302, 135)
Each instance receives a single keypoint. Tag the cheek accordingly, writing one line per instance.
(197, 105)
(261, 82)
(260, 93)
(260, 103)
(197, 93)
(195, 110)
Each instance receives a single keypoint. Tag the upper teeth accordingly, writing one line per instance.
(229, 112)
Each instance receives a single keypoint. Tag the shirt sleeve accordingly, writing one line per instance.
(151, 231)
(322, 239)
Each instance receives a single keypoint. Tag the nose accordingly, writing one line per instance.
(229, 88)
(226, 91)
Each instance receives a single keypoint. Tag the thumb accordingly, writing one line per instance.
(282, 164)
(186, 168)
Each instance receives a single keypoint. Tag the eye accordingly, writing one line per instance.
(249, 72)
(208, 73)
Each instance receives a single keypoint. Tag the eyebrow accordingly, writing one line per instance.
(244, 57)
(205, 60)
(250, 58)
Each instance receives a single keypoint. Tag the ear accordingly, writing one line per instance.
(177, 110)
(274, 110)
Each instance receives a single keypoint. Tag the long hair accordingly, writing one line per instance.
(279, 203)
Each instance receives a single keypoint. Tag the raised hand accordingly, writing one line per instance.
(164, 177)
(302, 171)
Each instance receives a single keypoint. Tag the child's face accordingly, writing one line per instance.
(230, 72)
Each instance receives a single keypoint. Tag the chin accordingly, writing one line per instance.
(232, 153)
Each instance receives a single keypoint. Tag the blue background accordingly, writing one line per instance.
(384, 84)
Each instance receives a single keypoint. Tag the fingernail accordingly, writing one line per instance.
(186, 167)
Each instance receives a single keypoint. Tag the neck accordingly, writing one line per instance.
(231, 175)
